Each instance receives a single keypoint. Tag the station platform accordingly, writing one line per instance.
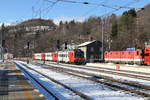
(127, 67)
(14, 86)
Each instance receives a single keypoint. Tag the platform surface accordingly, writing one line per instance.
(14, 86)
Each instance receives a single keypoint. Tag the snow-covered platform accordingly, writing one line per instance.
(14, 86)
(127, 67)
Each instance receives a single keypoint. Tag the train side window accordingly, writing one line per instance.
(137, 52)
(129, 53)
(147, 54)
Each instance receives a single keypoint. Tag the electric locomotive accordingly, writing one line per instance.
(130, 57)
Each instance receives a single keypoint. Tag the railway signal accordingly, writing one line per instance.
(3, 43)
(65, 45)
(58, 45)
(28, 44)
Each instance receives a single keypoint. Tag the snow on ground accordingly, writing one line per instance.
(139, 81)
(58, 90)
(89, 88)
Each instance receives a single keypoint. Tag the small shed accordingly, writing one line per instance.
(92, 50)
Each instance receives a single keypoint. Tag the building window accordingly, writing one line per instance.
(92, 49)
(92, 57)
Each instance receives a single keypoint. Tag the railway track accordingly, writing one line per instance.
(123, 85)
(55, 81)
(49, 92)
(131, 74)
(126, 71)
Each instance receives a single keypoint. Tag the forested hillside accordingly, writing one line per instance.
(131, 29)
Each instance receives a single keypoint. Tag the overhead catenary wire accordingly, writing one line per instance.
(121, 7)
(53, 3)
(115, 7)
(35, 12)
(85, 3)
(127, 6)
(70, 1)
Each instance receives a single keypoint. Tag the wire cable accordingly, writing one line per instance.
(49, 7)
(127, 6)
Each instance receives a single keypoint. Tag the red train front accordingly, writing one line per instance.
(77, 56)
(147, 56)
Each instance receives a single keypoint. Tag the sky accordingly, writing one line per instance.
(15, 11)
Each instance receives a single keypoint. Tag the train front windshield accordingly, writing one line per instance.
(79, 54)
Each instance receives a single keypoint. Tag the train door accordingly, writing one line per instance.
(106, 55)
(147, 56)
(71, 57)
(43, 56)
(66, 56)
(34, 56)
(54, 56)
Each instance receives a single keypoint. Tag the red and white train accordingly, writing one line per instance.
(77, 56)
(131, 57)
(67, 56)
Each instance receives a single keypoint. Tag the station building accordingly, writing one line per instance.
(92, 50)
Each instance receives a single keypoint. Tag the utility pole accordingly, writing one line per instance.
(40, 13)
(2, 43)
(58, 47)
(32, 12)
(102, 56)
